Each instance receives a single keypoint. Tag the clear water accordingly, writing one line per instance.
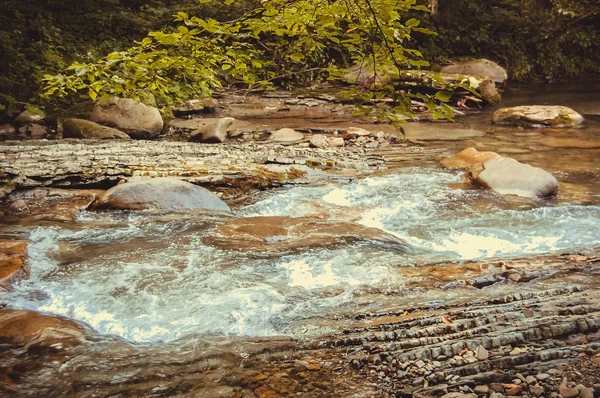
(149, 279)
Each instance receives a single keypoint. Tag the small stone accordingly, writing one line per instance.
(337, 142)
(515, 390)
(496, 387)
(458, 395)
(496, 395)
(419, 364)
(568, 392)
(481, 353)
(530, 380)
(286, 135)
(542, 376)
(319, 141)
(536, 391)
(481, 389)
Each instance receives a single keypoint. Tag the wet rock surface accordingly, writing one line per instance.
(287, 234)
(467, 158)
(159, 193)
(508, 176)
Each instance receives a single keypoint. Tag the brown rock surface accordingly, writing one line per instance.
(285, 233)
(13, 259)
(467, 158)
(31, 327)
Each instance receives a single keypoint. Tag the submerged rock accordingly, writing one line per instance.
(508, 176)
(213, 130)
(134, 118)
(478, 67)
(429, 132)
(80, 128)
(537, 116)
(32, 327)
(13, 260)
(286, 135)
(467, 158)
(286, 233)
(159, 193)
(49, 204)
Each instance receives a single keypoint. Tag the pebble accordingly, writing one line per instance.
(459, 395)
(536, 391)
(530, 380)
(542, 376)
(481, 353)
(496, 395)
(481, 389)
(516, 390)
(568, 392)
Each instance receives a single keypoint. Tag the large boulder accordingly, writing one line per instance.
(79, 128)
(478, 67)
(212, 130)
(134, 118)
(508, 176)
(287, 234)
(537, 116)
(467, 158)
(159, 193)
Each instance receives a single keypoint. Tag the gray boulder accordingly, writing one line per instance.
(537, 116)
(79, 128)
(510, 177)
(159, 193)
(212, 130)
(478, 67)
(134, 118)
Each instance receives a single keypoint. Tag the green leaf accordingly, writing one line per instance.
(443, 96)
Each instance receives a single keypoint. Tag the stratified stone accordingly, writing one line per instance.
(537, 116)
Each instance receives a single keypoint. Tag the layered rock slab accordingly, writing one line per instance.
(537, 116)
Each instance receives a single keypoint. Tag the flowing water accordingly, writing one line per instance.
(159, 278)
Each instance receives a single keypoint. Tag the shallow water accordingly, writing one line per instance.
(154, 278)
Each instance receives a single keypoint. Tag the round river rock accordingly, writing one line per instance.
(160, 193)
